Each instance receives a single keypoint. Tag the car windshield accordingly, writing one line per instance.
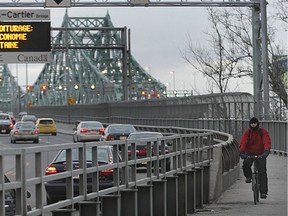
(144, 135)
(4, 117)
(29, 118)
(24, 126)
(102, 155)
(121, 129)
(46, 121)
(91, 125)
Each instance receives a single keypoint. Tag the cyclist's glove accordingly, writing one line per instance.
(243, 155)
(265, 154)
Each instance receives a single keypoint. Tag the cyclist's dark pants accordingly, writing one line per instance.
(261, 166)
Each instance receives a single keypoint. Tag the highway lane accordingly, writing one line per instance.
(9, 161)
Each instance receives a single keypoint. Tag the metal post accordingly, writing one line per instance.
(256, 61)
(264, 38)
(124, 65)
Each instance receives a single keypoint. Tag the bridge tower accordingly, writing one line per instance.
(87, 67)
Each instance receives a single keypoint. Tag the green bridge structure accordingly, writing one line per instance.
(90, 63)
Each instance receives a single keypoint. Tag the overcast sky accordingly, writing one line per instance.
(157, 36)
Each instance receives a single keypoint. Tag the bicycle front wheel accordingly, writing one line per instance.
(255, 188)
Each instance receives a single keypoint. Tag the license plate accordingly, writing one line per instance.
(3, 131)
(123, 137)
(76, 177)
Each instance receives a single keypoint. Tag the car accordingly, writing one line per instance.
(32, 118)
(88, 131)
(10, 200)
(22, 113)
(141, 139)
(46, 126)
(56, 189)
(24, 131)
(6, 124)
(118, 131)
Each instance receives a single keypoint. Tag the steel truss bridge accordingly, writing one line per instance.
(87, 67)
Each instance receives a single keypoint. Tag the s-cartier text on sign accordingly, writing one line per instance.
(13, 15)
(25, 36)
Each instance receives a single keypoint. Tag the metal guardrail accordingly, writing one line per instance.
(190, 149)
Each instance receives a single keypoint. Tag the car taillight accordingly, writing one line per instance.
(51, 170)
(142, 152)
(11, 125)
(106, 172)
(83, 130)
(16, 132)
(109, 137)
(129, 152)
(101, 130)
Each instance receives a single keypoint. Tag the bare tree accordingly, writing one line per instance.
(221, 61)
(230, 54)
(236, 22)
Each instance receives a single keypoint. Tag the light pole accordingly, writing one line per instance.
(183, 83)
(194, 80)
(173, 73)
(148, 69)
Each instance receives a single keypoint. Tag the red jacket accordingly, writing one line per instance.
(252, 143)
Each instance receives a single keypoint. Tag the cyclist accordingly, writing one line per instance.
(255, 141)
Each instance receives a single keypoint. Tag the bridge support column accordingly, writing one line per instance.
(199, 187)
(159, 198)
(64, 212)
(182, 194)
(111, 205)
(145, 200)
(206, 183)
(172, 196)
(191, 191)
(89, 208)
(129, 202)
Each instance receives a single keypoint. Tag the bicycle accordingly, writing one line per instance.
(255, 180)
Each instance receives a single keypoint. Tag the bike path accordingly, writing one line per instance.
(238, 199)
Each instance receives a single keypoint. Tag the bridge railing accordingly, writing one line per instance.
(189, 150)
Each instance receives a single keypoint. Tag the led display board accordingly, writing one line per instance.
(25, 37)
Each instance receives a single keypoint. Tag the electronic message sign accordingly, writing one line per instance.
(25, 36)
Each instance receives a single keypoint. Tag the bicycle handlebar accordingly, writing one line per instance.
(254, 156)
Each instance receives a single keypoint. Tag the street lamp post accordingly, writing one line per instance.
(148, 69)
(183, 83)
(173, 73)
(194, 87)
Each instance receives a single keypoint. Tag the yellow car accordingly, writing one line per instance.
(46, 126)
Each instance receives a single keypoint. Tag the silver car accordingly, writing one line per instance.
(24, 131)
(88, 131)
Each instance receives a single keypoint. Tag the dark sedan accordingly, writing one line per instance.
(141, 139)
(6, 124)
(10, 200)
(56, 190)
(118, 131)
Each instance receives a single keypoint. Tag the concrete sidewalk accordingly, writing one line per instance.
(238, 200)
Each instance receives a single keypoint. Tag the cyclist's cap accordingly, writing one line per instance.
(254, 120)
